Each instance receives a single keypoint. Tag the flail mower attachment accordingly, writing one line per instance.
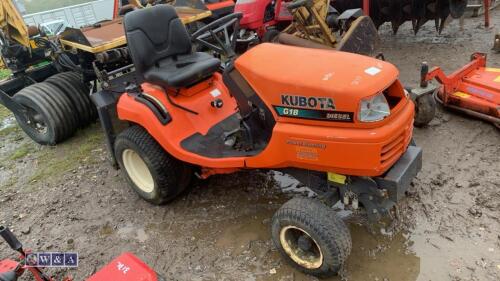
(473, 89)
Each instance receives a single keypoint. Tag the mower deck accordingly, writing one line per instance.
(474, 89)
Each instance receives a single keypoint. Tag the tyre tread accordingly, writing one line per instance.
(324, 222)
(169, 170)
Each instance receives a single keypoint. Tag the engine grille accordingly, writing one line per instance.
(393, 149)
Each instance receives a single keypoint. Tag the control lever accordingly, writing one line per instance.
(11, 239)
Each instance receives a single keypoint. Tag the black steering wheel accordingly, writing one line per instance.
(220, 35)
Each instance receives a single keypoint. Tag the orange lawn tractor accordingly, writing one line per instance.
(340, 123)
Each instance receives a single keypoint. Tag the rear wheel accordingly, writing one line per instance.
(311, 237)
(151, 172)
(77, 93)
(49, 114)
(40, 125)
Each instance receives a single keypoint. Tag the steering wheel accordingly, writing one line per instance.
(223, 31)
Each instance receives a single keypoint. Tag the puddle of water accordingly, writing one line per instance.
(440, 261)
(372, 257)
(133, 231)
(236, 236)
(7, 123)
(239, 236)
(288, 184)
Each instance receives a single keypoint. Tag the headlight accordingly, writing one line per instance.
(374, 108)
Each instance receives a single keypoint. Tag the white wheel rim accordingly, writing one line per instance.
(138, 171)
(310, 259)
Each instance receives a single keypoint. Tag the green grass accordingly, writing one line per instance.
(4, 113)
(9, 130)
(55, 161)
(4, 73)
(22, 151)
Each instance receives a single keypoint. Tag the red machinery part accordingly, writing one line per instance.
(487, 13)
(366, 7)
(7, 265)
(254, 14)
(126, 267)
(473, 89)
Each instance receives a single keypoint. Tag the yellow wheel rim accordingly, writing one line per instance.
(138, 171)
(301, 247)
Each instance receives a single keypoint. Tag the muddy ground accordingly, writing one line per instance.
(68, 198)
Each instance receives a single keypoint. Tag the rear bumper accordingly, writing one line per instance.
(398, 179)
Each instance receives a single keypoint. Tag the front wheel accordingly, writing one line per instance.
(270, 36)
(425, 110)
(311, 237)
(152, 173)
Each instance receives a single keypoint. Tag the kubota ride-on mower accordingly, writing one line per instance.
(126, 267)
(340, 123)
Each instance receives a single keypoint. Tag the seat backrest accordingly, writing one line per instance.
(153, 34)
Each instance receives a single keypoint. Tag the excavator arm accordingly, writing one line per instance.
(12, 24)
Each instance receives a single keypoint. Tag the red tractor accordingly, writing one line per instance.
(263, 18)
(305, 23)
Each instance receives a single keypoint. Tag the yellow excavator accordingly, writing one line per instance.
(17, 44)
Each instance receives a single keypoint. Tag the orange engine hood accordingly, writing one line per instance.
(274, 70)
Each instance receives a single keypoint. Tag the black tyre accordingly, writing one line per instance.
(425, 110)
(71, 90)
(152, 173)
(45, 124)
(270, 35)
(311, 237)
(84, 91)
(63, 107)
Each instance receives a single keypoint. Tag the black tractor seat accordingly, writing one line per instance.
(183, 70)
(161, 49)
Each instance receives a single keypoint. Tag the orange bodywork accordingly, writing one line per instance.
(473, 87)
(219, 5)
(351, 148)
(184, 123)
